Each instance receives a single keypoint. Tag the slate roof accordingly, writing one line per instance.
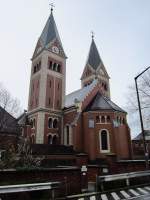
(9, 123)
(101, 102)
(23, 119)
(140, 136)
(94, 59)
(50, 33)
(79, 94)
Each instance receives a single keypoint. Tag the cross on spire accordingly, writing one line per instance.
(52, 6)
(92, 34)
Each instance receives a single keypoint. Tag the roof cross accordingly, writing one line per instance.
(52, 6)
(92, 34)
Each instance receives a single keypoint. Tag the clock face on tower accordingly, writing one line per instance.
(55, 49)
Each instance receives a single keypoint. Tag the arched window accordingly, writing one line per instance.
(54, 66)
(49, 101)
(55, 123)
(67, 134)
(59, 68)
(50, 64)
(105, 86)
(34, 69)
(108, 119)
(97, 119)
(31, 123)
(104, 141)
(117, 119)
(50, 122)
(103, 119)
(50, 138)
(123, 121)
(120, 121)
(54, 142)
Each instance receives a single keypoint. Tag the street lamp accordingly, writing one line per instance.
(141, 119)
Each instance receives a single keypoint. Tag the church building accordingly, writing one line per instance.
(85, 119)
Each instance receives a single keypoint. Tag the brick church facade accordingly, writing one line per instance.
(86, 119)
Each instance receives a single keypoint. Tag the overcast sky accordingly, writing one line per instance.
(122, 35)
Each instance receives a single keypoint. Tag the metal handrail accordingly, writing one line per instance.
(28, 187)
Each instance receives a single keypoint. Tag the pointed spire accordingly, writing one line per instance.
(94, 59)
(50, 31)
(49, 35)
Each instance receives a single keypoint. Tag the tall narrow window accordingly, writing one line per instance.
(123, 121)
(54, 141)
(55, 123)
(97, 119)
(49, 101)
(59, 68)
(50, 122)
(108, 119)
(104, 141)
(31, 123)
(67, 135)
(34, 69)
(103, 119)
(50, 64)
(50, 139)
(54, 66)
(105, 86)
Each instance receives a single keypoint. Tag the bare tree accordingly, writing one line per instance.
(8, 106)
(144, 93)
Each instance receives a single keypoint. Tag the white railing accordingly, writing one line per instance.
(125, 176)
(30, 187)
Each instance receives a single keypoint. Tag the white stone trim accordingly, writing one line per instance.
(40, 128)
(70, 135)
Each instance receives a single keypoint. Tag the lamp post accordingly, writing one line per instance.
(141, 119)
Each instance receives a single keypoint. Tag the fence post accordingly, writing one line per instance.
(127, 182)
(66, 187)
(53, 194)
(96, 186)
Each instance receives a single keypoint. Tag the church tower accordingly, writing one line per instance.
(47, 86)
(95, 69)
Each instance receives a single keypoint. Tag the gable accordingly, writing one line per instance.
(88, 71)
(101, 70)
(100, 102)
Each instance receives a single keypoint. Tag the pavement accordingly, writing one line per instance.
(139, 193)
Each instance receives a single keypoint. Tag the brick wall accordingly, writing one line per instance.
(71, 178)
